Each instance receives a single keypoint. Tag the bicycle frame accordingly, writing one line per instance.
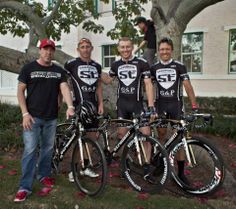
(78, 130)
(133, 129)
(180, 127)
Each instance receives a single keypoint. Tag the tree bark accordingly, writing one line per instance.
(172, 16)
(12, 60)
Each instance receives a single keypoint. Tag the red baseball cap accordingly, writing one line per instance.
(47, 42)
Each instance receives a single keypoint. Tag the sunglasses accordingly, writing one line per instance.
(84, 40)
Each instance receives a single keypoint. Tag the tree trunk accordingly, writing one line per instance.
(172, 16)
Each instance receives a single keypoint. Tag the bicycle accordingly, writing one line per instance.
(87, 153)
(204, 164)
(134, 157)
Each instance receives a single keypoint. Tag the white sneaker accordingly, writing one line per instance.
(71, 177)
(89, 172)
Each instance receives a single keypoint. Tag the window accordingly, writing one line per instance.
(192, 45)
(116, 3)
(108, 55)
(232, 51)
(50, 3)
(8, 80)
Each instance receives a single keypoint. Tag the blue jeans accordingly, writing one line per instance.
(42, 133)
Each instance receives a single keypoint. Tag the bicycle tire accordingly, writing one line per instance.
(88, 185)
(134, 172)
(207, 175)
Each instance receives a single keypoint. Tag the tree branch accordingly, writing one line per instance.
(53, 13)
(188, 9)
(157, 11)
(12, 60)
(172, 9)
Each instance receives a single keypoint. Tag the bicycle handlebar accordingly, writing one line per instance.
(186, 120)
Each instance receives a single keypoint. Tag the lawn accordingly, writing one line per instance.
(65, 195)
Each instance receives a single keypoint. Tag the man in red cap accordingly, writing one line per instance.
(42, 80)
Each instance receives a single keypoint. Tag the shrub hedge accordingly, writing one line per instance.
(11, 130)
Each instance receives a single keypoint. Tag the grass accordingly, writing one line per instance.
(66, 196)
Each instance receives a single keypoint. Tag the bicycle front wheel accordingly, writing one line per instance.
(205, 172)
(89, 167)
(63, 133)
(146, 169)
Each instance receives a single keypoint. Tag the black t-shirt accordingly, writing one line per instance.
(150, 35)
(43, 87)
(169, 79)
(130, 75)
(85, 76)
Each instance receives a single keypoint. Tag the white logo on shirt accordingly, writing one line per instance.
(166, 77)
(127, 73)
(88, 74)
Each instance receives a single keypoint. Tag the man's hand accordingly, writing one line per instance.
(28, 120)
(195, 107)
(153, 112)
(70, 112)
(100, 109)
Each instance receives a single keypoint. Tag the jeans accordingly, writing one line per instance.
(42, 134)
(149, 55)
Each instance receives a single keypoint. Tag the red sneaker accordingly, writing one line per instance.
(21, 196)
(48, 182)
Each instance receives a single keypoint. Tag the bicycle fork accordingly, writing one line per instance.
(140, 149)
(189, 152)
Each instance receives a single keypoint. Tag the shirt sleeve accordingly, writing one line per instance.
(67, 68)
(23, 76)
(183, 73)
(112, 71)
(99, 68)
(63, 75)
(146, 73)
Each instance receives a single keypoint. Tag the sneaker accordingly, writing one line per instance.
(48, 182)
(88, 172)
(21, 196)
(71, 177)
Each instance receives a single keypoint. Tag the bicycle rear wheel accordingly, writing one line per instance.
(207, 172)
(135, 169)
(90, 177)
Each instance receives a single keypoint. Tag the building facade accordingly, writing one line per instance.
(208, 49)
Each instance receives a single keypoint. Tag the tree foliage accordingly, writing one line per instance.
(21, 17)
(59, 17)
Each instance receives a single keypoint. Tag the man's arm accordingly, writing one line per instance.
(149, 91)
(190, 92)
(67, 97)
(141, 45)
(27, 118)
(100, 97)
(105, 78)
